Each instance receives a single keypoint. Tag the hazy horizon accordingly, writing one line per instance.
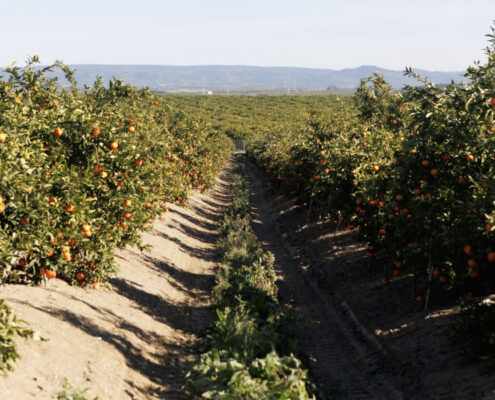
(324, 34)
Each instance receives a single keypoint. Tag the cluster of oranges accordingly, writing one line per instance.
(84, 173)
(421, 191)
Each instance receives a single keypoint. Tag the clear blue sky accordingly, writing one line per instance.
(430, 34)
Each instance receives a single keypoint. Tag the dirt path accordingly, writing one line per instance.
(345, 364)
(136, 341)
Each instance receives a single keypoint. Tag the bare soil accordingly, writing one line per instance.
(135, 341)
(363, 340)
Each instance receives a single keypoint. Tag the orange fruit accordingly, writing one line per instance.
(399, 197)
(58, 132)
(425, 163)
(131, 129)
(492, 102)
(3, 137)
(50, 274)
(95, 132)
(128, 202)
(79, 276)
(434, 172)
(385, 282)
(96, 286)
(491, 256)
(138, 163)
(127, 215)
(376, 168)
(114, 146)
(469, 158)
(70, 208)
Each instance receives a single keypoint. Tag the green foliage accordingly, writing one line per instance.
(245, 117)
(473, 331)
(10, 329)
(84, 172)
(248, 351)
(413, 171)
(68, 392)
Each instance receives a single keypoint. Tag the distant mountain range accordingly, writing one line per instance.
(226, 78)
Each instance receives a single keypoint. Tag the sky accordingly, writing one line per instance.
(446, 35)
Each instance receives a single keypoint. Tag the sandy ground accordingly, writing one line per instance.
(135, 341)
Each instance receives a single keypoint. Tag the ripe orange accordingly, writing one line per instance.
(474, 274)
(58, 132)
(17, 100)
(95, 132)
(131, 129)
(425, 163)
(492, 102)
(3, 137)
(127, 215)
(155, 102)
(382, 232)
(436, 272)
(442, 279)
(127, 202)
(396, 272)
(491, 256)
(138, 163)
(399, 197)
(79, 276)
(472, 263)
(469, 158)
(114, 146)
(50, 274)
(104, 174)
(70, 208)
(467, 249)
(434, 172)
(376, 168)
(96, 286)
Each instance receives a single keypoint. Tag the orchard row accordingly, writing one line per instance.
(83, 172)
(413, 172)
